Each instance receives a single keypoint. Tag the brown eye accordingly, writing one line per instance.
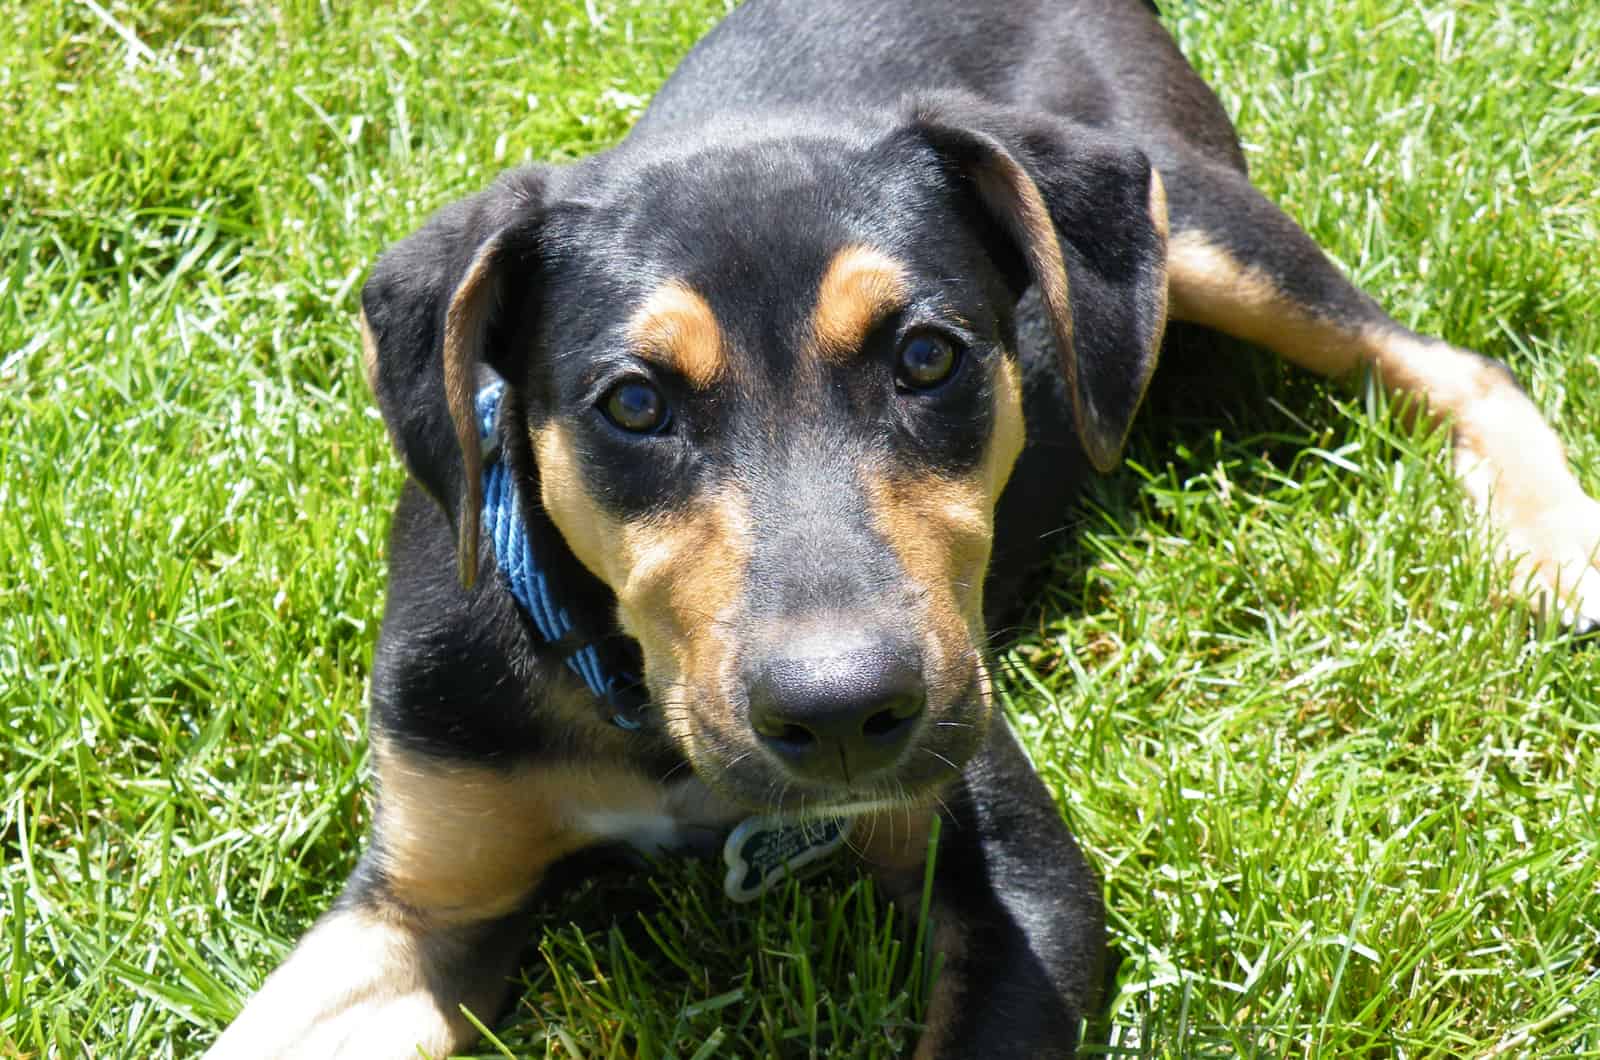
(925, 361)
(635, 406)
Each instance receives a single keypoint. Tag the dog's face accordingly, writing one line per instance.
(779, 439)
(772, 398)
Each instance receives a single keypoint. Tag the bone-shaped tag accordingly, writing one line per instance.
(760, 851)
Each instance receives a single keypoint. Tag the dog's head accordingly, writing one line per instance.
(771, 398)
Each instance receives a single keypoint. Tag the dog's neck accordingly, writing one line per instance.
(538, 571)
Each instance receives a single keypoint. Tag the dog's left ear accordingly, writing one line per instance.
(1084, 218)
(457, 295)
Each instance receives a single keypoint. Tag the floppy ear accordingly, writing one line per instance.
(1083, 217)
(455, 296)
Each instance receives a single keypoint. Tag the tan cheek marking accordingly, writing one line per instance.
(461, 843)
(682, 583)
(1010, 431)
(677, 579)
(860, 287)
(941, 528)
(949, 992)
(590, 532)
(676, 324)
(369, 353)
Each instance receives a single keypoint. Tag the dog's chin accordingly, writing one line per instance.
(779, 796)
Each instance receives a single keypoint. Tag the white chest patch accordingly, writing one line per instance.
(757, 851)
(646, 831)
(655, 819)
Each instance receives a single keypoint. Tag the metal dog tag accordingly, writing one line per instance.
(760, 851)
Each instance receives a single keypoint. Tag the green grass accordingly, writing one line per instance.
(1343, 798)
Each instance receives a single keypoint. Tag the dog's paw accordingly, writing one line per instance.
(359, 985)
(1555, 552)
(1564, 543)
(1515, 469)
(402, 1026)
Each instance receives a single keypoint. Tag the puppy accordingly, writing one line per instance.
(724, 442)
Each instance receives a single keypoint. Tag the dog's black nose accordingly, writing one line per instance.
(841, 715)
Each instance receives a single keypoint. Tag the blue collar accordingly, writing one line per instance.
(523, 576)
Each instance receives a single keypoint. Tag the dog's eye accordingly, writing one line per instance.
(636, 406)
(925, 361)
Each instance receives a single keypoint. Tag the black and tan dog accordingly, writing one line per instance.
(829, 338)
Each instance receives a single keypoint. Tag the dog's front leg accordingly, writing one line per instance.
(428, 922)
(1018, 916)
(374, 980)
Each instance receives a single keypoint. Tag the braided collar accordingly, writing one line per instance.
(525, 579)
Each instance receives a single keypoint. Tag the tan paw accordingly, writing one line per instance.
(1556, 550)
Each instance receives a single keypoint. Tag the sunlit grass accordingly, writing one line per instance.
(1343, 800)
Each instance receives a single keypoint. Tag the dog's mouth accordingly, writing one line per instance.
(823, 776)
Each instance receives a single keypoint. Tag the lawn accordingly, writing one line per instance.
(1343, 793)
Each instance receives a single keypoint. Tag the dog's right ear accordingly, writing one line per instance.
(458, 294)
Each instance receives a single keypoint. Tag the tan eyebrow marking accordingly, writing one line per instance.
(861, 286)
(676, 325)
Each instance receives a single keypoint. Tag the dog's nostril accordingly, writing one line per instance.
(893, 718)
(797, 737)
(787, 735)
(881, 723)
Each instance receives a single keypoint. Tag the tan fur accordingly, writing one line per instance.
(1010, 432)
(861, 286)
(1506, 457)
(677, 326)
(1160, 220)
(677, 580)
(463, 843)
(463, 341)
(467, 842)
(1208, 286)
(893, 844)
(1011, 194)
(1158, 207)
(941, 528)
(457, 845)
(589, 531)
(950, 989)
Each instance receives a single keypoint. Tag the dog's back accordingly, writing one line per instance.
(1100, 62)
